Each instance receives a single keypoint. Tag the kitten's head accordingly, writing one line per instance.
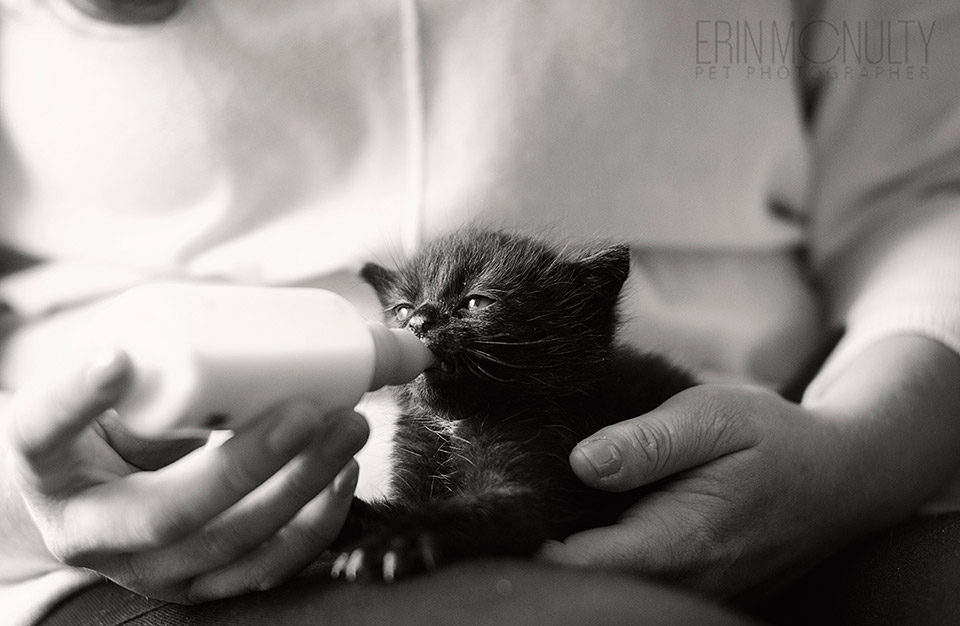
(507, 316)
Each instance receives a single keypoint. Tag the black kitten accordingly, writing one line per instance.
(524, 335)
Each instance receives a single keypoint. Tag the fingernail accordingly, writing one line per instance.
(289, 430)
(349, 431)
(346, 481)
(104, 368)
(603, 456)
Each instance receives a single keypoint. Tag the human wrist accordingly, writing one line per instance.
(897, 365)
(895, 408)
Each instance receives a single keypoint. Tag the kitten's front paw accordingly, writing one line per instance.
(388, 557)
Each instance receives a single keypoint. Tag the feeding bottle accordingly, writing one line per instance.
(216, 357)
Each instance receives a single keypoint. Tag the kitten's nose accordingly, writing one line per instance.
(422, 320)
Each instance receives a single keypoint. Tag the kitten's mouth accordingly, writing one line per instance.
(442, 367)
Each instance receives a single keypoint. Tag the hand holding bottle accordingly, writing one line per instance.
(215, 522)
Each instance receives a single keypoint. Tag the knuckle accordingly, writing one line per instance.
(688, 550)
(130, 577)
(238, 475)
(711, 541)
(212, 542)
(69, 553)
(714, 556)
(143, 574)
(651, 440)
(73, 548)
(300, 487)
(716, 422)
(191, 598)
(139, 578)
(744, 422)
(192, 595)
(161, 526)
(726, 418)
(142, 581)
(261, 578)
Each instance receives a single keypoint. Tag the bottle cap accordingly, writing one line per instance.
(399, 356)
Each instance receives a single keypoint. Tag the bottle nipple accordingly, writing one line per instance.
(399, 356)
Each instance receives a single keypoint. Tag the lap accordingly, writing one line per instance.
(906, 575)
(493, 591)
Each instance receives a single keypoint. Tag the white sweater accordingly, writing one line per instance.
(283, 143)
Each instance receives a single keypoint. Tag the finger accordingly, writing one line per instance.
(662, 538)
(289, 551)
(692, 428)
(150, 509)
(609, 548)
(144, 454)
(260, 515)
(46, 416)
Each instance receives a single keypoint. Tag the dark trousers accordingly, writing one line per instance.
(906, 575)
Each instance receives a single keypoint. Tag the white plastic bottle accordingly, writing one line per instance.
(216, 357)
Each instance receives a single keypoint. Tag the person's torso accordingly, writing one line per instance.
(279, 142)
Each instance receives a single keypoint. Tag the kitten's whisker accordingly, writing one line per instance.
(530, 342)
(477, 369)
(486, 356)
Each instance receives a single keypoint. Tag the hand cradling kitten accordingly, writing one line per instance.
(528, 368)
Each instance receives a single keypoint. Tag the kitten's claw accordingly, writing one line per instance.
(389, 557)
(353, 564)
(339, 565)
(389, 567)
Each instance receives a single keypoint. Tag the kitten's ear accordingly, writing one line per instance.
(378, 277)
(606, 270)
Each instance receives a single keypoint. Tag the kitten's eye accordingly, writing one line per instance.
(402, 311)
(479, 302)
(128, 11)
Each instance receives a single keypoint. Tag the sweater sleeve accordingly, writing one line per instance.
(885, 200)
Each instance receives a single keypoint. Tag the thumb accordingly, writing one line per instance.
(45, 416)
(689, 430)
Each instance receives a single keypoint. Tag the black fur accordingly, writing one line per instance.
(483, 441)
